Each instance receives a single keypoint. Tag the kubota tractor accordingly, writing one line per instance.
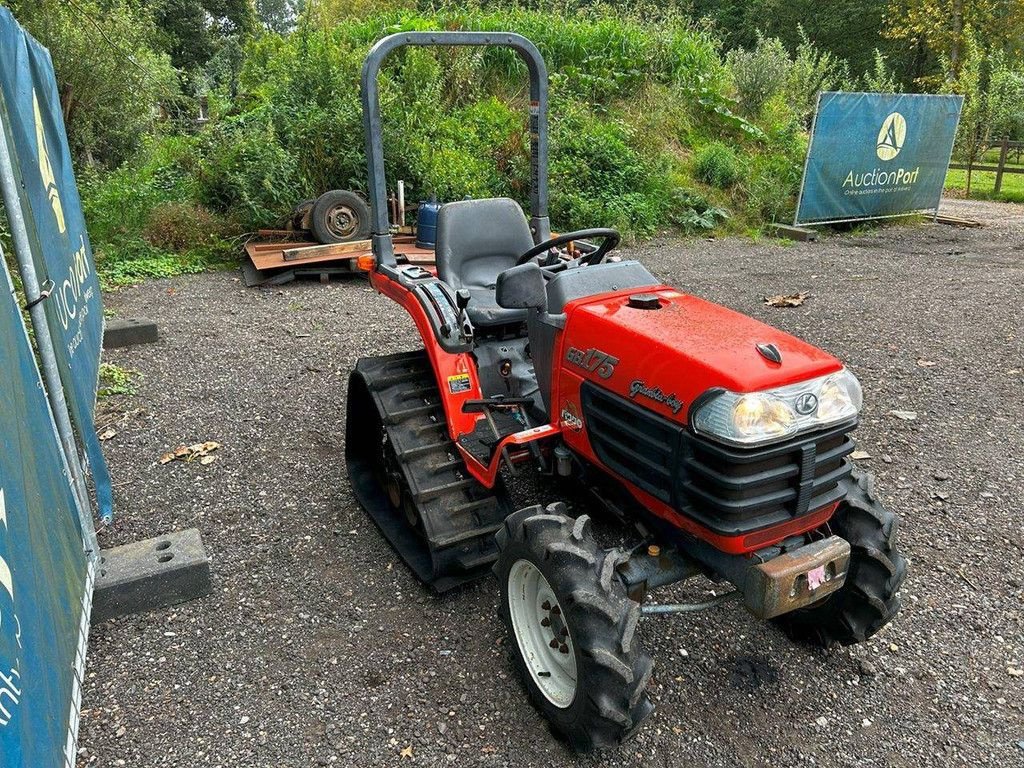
(724, 442)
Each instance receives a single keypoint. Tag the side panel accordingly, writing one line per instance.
(456, 373)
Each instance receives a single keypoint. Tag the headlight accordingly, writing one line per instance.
(761, 417)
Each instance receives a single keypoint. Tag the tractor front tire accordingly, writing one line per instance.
(573, 628)
(869, 599)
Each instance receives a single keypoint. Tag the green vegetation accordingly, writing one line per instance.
(115, 380)
(685, 115)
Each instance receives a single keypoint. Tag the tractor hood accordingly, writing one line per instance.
(669, 348)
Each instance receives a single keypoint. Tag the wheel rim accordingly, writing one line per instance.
(537, 622)
(342, 221)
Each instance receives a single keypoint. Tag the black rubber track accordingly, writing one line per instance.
(613, 669)
(396, 425)
(869, 599)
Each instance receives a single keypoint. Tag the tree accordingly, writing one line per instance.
(110, 78)
(192, 31)
(993, 92)
(946, 26)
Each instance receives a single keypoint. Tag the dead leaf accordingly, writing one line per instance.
(925, 364)
(108, 433)
(406, 752)
(190, 452)
(860, 455)
(787, 300)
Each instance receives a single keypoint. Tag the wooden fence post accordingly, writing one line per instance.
(1002, 163)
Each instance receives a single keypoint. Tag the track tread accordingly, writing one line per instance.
(458, 515)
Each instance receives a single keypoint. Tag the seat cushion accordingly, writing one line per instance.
(476, 241)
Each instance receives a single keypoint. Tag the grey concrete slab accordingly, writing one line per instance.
(127, 332)
(150, 574)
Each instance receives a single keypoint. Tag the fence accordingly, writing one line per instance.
(1006, 147)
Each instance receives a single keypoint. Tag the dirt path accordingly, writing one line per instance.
(317, 648)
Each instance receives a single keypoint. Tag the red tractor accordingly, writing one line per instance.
(724, 443)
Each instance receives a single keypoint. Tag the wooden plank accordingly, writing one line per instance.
(304, 252)
(956, 221)
(270, 256)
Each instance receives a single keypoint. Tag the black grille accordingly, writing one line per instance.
(729, 490)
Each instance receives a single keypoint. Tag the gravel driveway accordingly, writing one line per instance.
(318, 648)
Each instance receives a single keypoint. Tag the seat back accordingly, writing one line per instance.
(477, 239)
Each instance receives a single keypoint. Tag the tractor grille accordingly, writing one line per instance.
(732, 491)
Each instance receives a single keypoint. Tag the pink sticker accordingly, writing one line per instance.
(815, 577)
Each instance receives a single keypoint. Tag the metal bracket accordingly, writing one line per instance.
(44, 294)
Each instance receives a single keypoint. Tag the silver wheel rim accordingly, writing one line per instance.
(537, 622)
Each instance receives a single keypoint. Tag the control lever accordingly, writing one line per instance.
(462, 298)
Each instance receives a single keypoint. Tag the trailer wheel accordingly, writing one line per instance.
(339, 216)
(574, 628)
(869, 599)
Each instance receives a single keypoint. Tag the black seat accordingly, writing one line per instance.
(476, 241)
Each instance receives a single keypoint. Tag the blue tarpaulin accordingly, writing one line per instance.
(60, 250)
(874, 155)
(45, 575)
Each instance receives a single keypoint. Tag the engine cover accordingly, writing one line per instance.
(630, 369)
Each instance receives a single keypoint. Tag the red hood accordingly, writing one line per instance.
(686, 347)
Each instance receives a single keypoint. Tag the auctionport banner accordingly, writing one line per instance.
(45, 575)
(877, 155)
(33, 128)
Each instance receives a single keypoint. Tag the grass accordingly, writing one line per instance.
(983, 185)
(115, 380)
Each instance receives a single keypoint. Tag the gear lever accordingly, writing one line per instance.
(462, 298)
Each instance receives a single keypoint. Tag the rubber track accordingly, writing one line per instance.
(459, 515)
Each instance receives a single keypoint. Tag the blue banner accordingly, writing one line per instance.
(45, 576)
(874, 155)
(34, 127)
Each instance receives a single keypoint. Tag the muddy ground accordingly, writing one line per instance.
(318, 648)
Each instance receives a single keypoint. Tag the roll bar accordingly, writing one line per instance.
(383, 247)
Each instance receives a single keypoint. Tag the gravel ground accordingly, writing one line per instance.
(318, 648)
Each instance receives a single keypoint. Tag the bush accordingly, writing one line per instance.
(717, 165)
(179, 227)
(247, 173)
(759, 73)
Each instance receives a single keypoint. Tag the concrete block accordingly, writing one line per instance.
(803, 234)
(129, 332)
(150, 574)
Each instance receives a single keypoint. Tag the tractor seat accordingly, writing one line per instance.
(476, 241)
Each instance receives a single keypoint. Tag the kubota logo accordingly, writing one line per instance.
(45, 169)
(891, 136)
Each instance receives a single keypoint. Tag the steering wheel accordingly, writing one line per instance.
(609, 239)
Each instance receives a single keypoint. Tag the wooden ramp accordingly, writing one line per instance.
(281, 262)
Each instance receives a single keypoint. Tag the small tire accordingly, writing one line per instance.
(609, 699)
(870, 597)
(339, 216)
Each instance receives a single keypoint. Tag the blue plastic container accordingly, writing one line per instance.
(426, 224)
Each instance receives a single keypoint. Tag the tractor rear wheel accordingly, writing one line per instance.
(574, 628)
(869, 599)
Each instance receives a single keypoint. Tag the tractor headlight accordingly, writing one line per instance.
(755, 418)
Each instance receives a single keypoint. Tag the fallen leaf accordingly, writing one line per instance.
(787, 300)
(190, 452)
(860, 455)
(925, 364)
(905, 415)
(108, 433)
(1015, 671)
(406, 752)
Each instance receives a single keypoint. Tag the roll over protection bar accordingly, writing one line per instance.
(383, 247)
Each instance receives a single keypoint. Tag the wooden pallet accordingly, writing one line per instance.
(269, 259)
